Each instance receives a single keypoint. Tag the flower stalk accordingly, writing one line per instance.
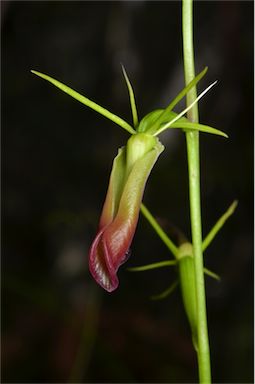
(192, 139)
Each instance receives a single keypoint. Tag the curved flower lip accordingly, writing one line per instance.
(100, 264)
(121, 208)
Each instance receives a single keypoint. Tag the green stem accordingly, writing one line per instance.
(192, 139)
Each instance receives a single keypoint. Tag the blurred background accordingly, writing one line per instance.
(57, 324)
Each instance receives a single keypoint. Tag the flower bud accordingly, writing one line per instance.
(188, 287)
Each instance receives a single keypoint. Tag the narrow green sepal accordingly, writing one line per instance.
(163, 127)
(131, 97)
(166, 292)
(181, 123)
(163, 117)
(147, 267)
(89, 103)
(197, 127)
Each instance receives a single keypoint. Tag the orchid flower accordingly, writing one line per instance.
(131, 168)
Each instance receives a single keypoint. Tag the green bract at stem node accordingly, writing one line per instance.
(160, 264)
(160, 232)
(167, 292)
(219, 224)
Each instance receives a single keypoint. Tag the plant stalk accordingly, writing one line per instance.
(192, 140)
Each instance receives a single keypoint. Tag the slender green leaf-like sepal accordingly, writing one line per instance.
(131, 97)
(198, 127)
(89, 103)
(181, 123)
(167, 125)
(162, 116)
(186, 90)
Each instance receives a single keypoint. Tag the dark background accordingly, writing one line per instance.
(57, 324)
